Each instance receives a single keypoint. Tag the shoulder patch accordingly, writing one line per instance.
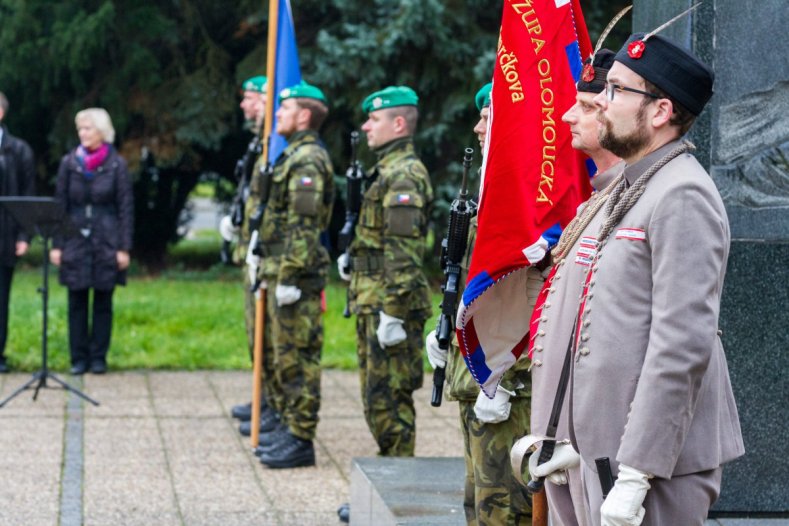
(403, 185)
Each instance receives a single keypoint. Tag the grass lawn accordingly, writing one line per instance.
(179, 320)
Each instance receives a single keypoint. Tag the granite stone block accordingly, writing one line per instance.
(753, 321)
(743, 140)
(407, 491)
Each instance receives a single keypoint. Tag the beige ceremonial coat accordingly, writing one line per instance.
(650, 384)
(566, 502)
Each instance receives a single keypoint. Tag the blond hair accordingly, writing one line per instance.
(100, 119)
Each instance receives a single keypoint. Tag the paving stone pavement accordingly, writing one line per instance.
(162, 449)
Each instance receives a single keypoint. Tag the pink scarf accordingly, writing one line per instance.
(92, 160)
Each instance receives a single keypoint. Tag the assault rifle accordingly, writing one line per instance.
(257, 216)
(453, 248)
(242, 175)
(353, 205)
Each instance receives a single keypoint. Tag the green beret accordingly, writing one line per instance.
(255, 84)
(302, 91)
(389, 98)
(482, 98)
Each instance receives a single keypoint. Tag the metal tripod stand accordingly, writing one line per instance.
(45, 217)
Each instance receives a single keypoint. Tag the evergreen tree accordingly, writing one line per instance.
(168, 73)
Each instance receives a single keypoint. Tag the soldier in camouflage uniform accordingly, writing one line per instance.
(492, 495)
(295, 267)
(253, 105)
(388, 290)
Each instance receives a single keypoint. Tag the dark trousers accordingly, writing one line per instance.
(6, 273)
(89, 345)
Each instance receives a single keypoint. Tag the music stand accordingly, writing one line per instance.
(45, 217)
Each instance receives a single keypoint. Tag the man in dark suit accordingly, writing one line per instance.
(17, 176)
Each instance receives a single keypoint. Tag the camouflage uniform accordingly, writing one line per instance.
(272, 393)
(386, 262)
(239, 256)
(492, 495)
(299, 208)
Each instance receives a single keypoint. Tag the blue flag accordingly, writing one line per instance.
(287, 71)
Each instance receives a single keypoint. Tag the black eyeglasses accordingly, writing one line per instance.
(610, 89)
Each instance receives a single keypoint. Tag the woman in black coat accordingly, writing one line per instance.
(94, 187)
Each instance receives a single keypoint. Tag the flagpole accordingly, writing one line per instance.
(260, 294)
(271, 71)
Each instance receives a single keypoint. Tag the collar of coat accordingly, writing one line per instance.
(635, 170)
(301, 137)
(403, 144)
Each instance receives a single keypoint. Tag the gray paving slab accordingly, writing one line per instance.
(117, 386)
(30, 496)
(241, 518)
(50, 401)
(117, 488)
(194, 407)
(162, 449)
(113, 407)
(134, 517)
(178, 384)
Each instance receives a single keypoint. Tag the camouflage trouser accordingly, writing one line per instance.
(493, 497)
(388, 379)
(249, 312)
(272, 394)
(297, 333)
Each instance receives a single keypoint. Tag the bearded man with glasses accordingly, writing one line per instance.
(650, 385)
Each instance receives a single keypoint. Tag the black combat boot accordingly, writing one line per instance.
(344, 512)
(291, 452)
(268, 421)
(271, 440)
(243, 412)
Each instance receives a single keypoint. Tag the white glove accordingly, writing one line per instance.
(344, 267)
(435, 355)
(390, 331)
(252, 260)
(495, 410)
(564, 457)
(623, 506)
(226, 229)
(287, 295)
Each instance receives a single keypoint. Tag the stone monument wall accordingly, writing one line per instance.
(743, 140)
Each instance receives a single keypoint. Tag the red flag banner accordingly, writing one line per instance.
(532, 178)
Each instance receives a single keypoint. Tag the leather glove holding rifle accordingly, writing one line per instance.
(344, 267)
(287, 295)
(435, 354)
(453, 249)
(495, 410)
(354, 176)
(390, 331)
(624, 505)
(555, 470)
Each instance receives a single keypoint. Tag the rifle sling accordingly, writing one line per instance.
(561, 388)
